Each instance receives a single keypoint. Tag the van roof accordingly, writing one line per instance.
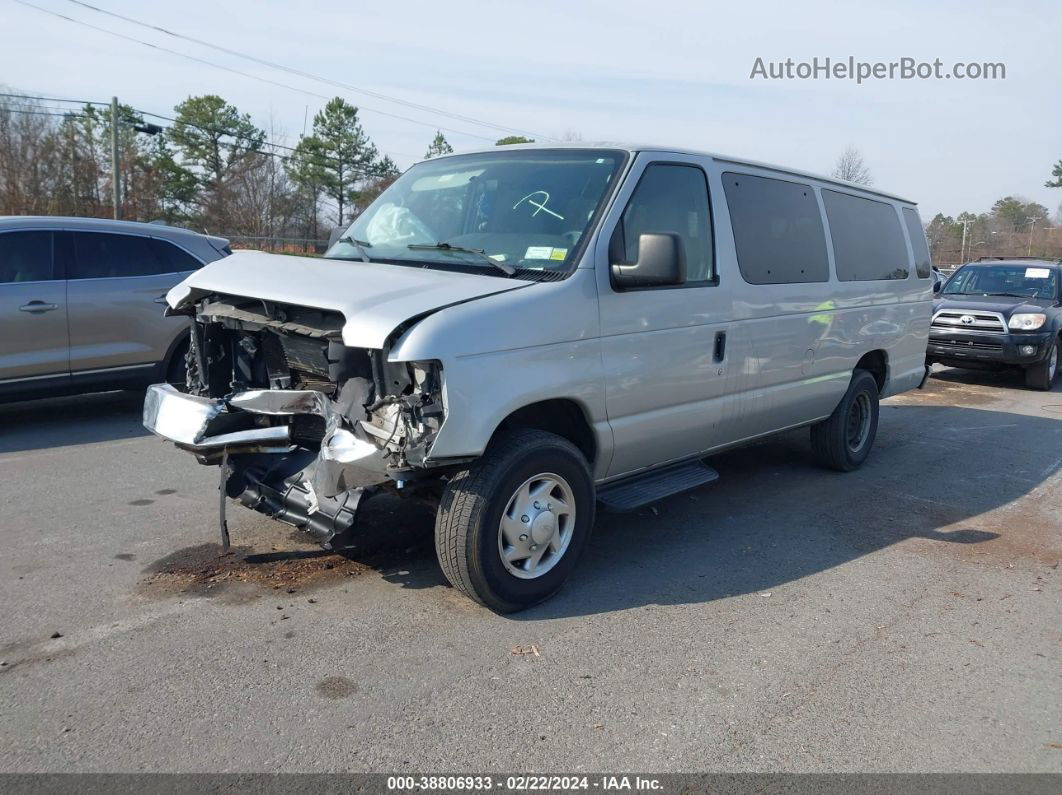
(681, 150)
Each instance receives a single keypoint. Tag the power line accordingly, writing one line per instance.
(238, 72)
(55, 99)
(86, 102)
(309, 75)
(66, 115)
(320, 160)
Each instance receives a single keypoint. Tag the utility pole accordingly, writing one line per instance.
(116, 175)
(962, 249)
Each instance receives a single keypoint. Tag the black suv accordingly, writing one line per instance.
(1000, 312)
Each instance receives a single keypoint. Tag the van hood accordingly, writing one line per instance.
(374, 298)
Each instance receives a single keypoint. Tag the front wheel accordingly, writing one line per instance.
(843, 441)
(1041, 376)
(510, 528)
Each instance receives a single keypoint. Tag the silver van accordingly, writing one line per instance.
(81, 303)
(520, 334)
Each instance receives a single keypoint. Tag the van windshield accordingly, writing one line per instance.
(526, 209)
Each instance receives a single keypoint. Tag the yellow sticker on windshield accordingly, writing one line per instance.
(559, 253)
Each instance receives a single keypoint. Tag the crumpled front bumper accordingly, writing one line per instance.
(247, 422)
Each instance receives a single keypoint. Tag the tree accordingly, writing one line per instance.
(1013, 213)
(513, 139)
(1056, 172)
(343, 152)
(438, 146)
(174, 187)
(214, 139)
(385, 172)
(306, 167)
(851, 168)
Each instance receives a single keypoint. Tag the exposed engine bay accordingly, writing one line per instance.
(301, 425)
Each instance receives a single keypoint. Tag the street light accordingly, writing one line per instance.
(147, 128)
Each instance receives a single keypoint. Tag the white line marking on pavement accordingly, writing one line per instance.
(1049, 470)
(102, 631)
(984, 427)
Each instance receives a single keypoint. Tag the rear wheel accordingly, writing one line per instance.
(843, 441)
(1041, 376)
(511, 527)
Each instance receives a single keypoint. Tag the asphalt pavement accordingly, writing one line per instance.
(786, 618)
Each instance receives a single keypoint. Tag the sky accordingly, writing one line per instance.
(668, 73)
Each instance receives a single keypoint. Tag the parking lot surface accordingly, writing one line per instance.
(903, 617)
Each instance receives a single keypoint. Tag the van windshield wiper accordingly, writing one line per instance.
(360, 245)
(508, 270)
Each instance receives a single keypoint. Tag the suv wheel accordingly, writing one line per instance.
(1041, 376)
(843, 441)
(510, 528)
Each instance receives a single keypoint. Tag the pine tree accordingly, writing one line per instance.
(439, 146)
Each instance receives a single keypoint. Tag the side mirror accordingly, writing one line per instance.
(661, 262)
(937, 287)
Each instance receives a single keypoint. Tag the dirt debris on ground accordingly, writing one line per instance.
(207, 569)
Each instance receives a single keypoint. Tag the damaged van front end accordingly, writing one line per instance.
(302, 425)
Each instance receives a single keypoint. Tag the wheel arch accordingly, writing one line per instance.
(876, 362)
(175, 347)
(562, 416)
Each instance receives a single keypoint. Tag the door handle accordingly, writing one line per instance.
(720, 347)
(37, 307)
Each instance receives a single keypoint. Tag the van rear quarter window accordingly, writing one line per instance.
(923, 263)
(778, 230)
(868, 242)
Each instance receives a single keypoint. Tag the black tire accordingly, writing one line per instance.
(467, 525)
(842, 441)
(1042, 376)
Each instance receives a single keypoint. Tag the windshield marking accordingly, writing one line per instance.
(538, 206)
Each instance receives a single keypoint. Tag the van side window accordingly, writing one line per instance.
(778, 230)
(918, 242)
(672, 198)
(173, 258)
(867, 240)
(105, 255)
(25, 257)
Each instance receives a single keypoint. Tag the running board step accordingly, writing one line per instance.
(641, 490)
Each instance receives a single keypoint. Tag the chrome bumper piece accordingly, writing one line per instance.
(209, 427)
(201, 424)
